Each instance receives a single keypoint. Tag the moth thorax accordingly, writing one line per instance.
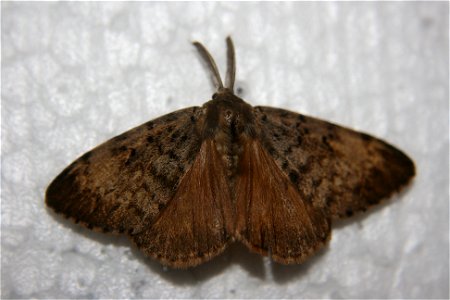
(228, 147)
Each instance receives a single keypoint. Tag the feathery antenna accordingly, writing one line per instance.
(231, 65)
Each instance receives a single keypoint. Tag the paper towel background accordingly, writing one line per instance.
(76, 74)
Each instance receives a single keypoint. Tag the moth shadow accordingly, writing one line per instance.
(283, 274)
(235, 254)
(101, 237)
(360, 216)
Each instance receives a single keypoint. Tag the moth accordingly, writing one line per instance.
(184, 186)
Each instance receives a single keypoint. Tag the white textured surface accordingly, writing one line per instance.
(75, 74)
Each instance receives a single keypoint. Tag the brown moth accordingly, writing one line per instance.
(187, 184)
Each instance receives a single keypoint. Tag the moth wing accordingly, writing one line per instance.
(124, 183)
(335, 168)
(198, 221)
(272, 217)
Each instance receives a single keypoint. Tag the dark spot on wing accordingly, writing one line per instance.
(357, 190)
(172, 155)
(131, 156)
(161, 178)
(183, 138)
(136, 210)
(365, 137)
(120, 138)
(317, 182)
(306, 167)
(276, 136)
(283, 113)
(118, 150)
(329, 200)
(114, 208)
(326, 143)
(288, 150)
(272, 151)
(160, 149)
(175, 135)
(331, 127)
(85, 157)
(170, 128)
(171, 117)
(293, 176)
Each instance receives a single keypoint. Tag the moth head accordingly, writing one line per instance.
(226, 98)
(223, 94)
